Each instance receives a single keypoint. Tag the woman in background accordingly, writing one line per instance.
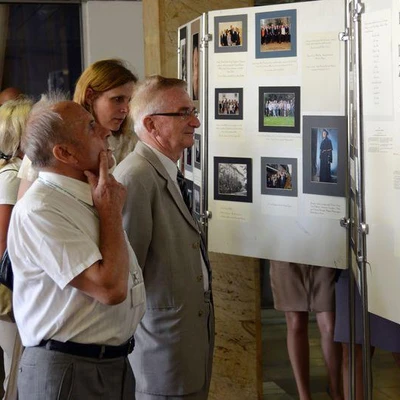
(104, 89)
(13, 116)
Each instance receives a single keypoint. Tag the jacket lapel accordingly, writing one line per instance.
(151, 157)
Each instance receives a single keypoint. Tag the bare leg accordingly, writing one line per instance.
(332, 352)
(298, 349)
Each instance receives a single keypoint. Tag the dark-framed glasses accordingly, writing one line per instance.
(185, 114)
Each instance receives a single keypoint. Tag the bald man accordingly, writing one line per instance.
(10, 93)
(78, 288)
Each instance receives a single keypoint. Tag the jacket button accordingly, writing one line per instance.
(196, 245)
(199, 278)
(200, 313)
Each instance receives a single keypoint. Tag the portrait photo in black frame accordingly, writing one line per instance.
(325, 155)
(233, 179)
(197, 150)
(279, 109)
(279, 176)
(183, 51)
(229, 103)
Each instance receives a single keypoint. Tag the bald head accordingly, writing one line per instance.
(9, 94)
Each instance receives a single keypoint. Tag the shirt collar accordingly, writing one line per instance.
(168, 164)
(80, 190)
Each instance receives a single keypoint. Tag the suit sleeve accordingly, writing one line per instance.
(137, 218)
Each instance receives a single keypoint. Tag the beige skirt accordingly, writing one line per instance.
(300, 287)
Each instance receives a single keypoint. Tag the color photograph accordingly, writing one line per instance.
(279, 109)
(279, 176)
(276, 34)
(230, 34)
(229, 103)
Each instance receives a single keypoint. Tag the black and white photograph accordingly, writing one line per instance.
(194, 60)
(276, 34)
(182, 54)
(197, 151)
(279, 176)
(189, 185)
(229, 103)
(279, 109)
(230, 33)
(324, 155)
(196, 199)
(188, 158)
(233, 179)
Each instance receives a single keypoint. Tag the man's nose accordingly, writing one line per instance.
(104, 132)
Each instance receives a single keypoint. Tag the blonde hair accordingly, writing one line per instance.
(148, 97)
(102, 76)
(13, 117)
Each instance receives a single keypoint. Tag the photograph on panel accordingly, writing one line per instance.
(324, 155)
(196, 199)
(230, 33)
(189, 185)
(197, 151)
(279, 109)
(188, 158)
(276, 34)
(233, 179)
(195, 66)
(229, 103)
(279, 176)
(182, 54)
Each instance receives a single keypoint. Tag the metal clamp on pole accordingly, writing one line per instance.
(345, 222)
(344, 36)
(206, 216)
(205, 39)
(357, 11)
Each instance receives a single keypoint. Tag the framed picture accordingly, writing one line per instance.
(230, 33)
(279, 176)
(189, 185)
(194, 84)
(182, 54)
(188, 158)
(229, 103)
(197, 150)
(233, 179)
(276, 34)
(324, 155)
(196, 200)
(279, 109)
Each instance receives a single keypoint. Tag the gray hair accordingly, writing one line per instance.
(44, 130)
(148, 97)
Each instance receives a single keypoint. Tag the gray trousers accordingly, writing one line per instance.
(51, 375)
(202, 394)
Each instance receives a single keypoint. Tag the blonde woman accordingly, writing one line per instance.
(13, 116)
(104, 89)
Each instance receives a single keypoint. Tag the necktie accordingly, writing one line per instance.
(184, 190)
(186, 198)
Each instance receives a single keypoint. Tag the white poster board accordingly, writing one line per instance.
(276, 83)
(381, 110)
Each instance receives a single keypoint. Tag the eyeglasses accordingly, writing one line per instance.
(183, 114)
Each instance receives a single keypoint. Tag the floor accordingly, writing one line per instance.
(277, 374)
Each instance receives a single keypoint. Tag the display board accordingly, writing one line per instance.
(380, 22)
(277, 132)
(191, 69)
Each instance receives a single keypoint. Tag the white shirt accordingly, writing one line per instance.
(53, 237)
(9, 182)
(171, 168)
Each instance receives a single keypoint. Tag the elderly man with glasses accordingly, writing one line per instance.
(174, 342)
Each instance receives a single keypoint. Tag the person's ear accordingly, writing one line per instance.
(148, 123)
(89, 96)
(63, 153)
